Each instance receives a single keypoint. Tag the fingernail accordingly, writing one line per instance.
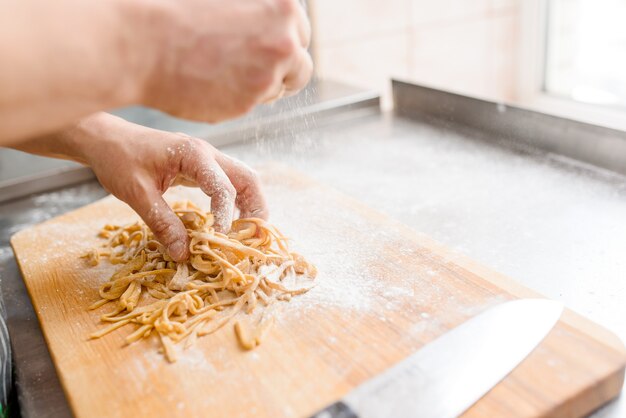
(176, 250)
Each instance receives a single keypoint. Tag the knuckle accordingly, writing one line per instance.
(160, 227)
(274, 48)
(286, 8)
(284, 46)
(164, 229)
(187, 144)
(189, 148)
(260, 79)
(178, 146)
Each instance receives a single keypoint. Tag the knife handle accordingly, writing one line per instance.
(336, 410)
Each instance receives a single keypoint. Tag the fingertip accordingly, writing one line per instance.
(178, 250)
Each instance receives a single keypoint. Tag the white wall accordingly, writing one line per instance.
(469, 46)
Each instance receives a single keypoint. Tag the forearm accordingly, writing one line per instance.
(65, 59)
(80, 141)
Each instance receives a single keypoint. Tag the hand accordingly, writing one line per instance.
(217, 59)
(138, 164)
(207, 60)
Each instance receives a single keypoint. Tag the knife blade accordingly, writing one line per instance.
(448, 375)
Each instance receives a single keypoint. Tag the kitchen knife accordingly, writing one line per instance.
(451, 373)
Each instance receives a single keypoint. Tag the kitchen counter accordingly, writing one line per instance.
(555, 225)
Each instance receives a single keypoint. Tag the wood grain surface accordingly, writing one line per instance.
(383, 292)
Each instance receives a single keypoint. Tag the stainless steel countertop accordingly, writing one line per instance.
(553, 224)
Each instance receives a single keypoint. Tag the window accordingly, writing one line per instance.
(585, 51)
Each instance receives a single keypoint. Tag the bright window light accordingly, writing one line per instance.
(586, 51)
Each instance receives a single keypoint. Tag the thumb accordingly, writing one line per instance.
(165, 225)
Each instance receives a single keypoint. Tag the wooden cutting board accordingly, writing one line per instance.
(383, 292)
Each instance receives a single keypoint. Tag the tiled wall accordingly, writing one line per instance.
(469, 46)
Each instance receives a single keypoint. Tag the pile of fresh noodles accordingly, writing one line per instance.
(228, 278)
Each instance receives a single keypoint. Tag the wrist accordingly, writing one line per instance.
(88, 139)
(78, 142)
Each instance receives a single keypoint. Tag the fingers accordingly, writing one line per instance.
(298, 69)
(299, 73)
(163, 222)
(214, 182)
(250, 199)
(228, 182)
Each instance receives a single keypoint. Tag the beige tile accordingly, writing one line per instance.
(368, 63)
(456, 57)
(471, 50)
(346, 20)
(426, 12)
(507, 55)
(477, 58)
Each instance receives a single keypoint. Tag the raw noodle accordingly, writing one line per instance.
(225, 278)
